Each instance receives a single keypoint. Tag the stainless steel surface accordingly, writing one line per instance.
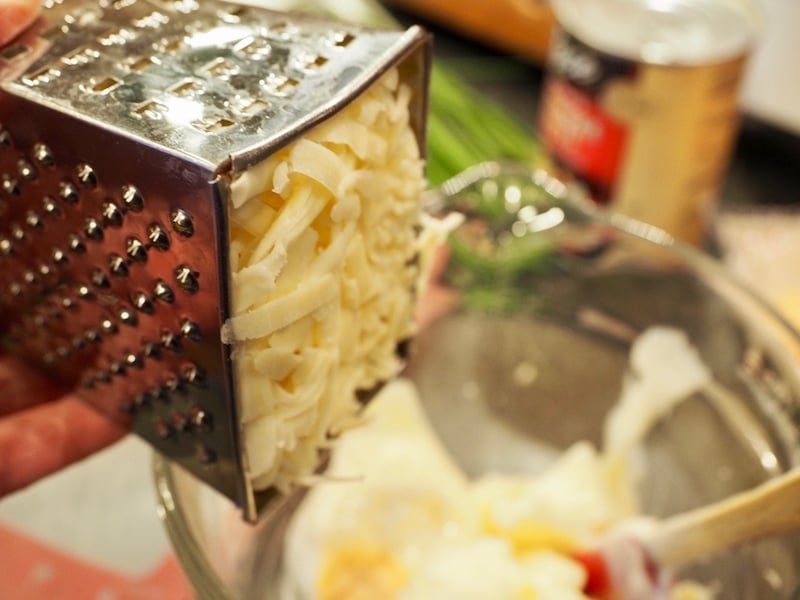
(122, 128)
(570, 314)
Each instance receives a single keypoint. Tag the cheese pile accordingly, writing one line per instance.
(325, 256)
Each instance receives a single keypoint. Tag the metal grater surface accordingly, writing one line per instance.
(122, 127)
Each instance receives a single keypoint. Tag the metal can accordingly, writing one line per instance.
(640, 103)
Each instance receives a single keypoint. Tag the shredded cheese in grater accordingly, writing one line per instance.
(325, 258)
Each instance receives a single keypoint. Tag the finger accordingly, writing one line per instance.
(15, 16)
(22, 387)
(41, 440)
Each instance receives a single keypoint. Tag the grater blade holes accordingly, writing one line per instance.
(99, 279)
(182, 223)
(342, 39)
(33, 220)
(142, 303)
(282, 30)
(154, 20)
(157, 238)
(138, 64)
(187, 279)
(117, 4)
(111, 214)
(213, 125)
(233, 14)
(221, 68)
(108, 327)
(186, 89)
(169, 45)
(68, 192)
(43, 76)
(250, 106)
(5, 138)
(17, 233)
(119, 37)
(50, 207)
(163, 293)
(253, 48)
(93, 230)
(117, 266)
(14, 51)
(59, 256)
(191, 330)
(101, 85)
(280, 85)
(6, 247)
(151, 110)
(10, 186)
(26, 170)
(81, 56)
(128, 317)
(136, 250)
(86, 175)
(43, 156)
(132, 198)
(76, 244)
(171, 342)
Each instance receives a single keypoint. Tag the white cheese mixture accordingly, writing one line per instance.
(325, 257)
(398, 520)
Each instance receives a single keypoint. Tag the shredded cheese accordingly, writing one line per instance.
(325, 251)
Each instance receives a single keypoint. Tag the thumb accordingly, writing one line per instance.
(16, 15)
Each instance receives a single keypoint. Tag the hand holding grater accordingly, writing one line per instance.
(125, 128)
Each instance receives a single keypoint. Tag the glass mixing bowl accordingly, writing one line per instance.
(537, 277)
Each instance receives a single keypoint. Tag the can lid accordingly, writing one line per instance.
(666, 32)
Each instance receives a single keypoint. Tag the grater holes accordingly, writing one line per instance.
(342, 39)
(10, 186)
(59, 257)
(50, 207)
(136, 250)
(92, 229)
(310, 62)
(221, 68)
(108, 326)
(101, 85)
(118, 4)
(186, 89)
(157, 238)
(182, 223)
(171, 342)
(92, 336)
(76, 244)
(169, 45)
(185, 6)
(162, 292)
(132, 198)
(26, 170)
(6, 247)
(84, 292)
(68, 303)
(14, 51)
(78, 343)
(180, 422)
(15, 289)
(68, 192)
(253, 48)
(191, 330)
(250, 106)
(17, 233)
(134, 360)
(43, 76)
(193, 374)
(111, 215)
(138, 64)
(117, 368)
(128, 317)
(233, 14)
(117, 266)
(205, 455)
(152, 21)
(151, 350)
(142, 303)
(213, 125)
(81, 56)
(101, 376)
(187, 279)
(151, 110)
(99, 279)
(282, 30)
(163, 429)
(43, 156)
(33, 220)
(86, 175)
(200, 419)
(119, 37)
(279, 84)
(5, 138)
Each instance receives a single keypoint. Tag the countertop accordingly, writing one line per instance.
(93, 532)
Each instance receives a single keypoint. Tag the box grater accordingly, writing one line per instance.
(123, 125)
